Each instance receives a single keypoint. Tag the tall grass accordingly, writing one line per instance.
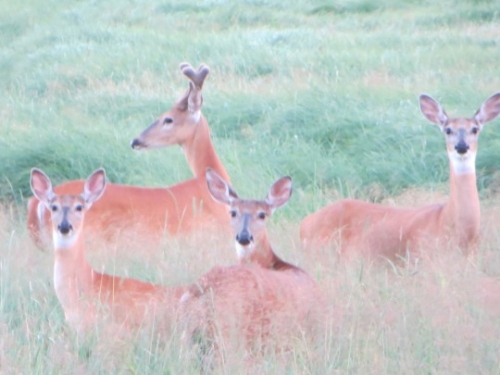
(435, 317)
(324, 91)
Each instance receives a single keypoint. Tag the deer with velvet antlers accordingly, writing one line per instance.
(148, 213)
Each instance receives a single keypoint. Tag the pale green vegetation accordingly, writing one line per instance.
(324, 91)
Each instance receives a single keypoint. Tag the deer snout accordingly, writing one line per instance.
(462, 147)
(136, 143)
(244, 238)
(65, 227)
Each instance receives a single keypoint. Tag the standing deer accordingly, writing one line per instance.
(147, 213)
(380, 231)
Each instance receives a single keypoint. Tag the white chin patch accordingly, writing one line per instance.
(64, 241)
(463, 164)
(244, 251)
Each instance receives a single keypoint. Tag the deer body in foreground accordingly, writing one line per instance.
(148, 213)
(259, 300)
(264, 296)
(381, 231)
(83, 292)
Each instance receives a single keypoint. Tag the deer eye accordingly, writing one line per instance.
(261, 215)
(167, 120)
(53, 208)
(474, 130)
(233, 213)
(448, 131)
(79, 207)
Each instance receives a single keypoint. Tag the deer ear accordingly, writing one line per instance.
(94, 186)
(489, 110)
(433, 111)
(41, 186)
(182, 103)
(280, 192)
(196, 80)
(219, 189)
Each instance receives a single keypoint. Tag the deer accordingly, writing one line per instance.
(248, 221)
(378, 231)
(261, 301)
(150, 213)
(262, 297)
(86, 295)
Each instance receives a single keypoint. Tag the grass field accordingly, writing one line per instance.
(323, 91)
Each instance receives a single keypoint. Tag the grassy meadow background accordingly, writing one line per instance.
(323, 91)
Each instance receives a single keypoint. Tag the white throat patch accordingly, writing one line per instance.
(59, 281)
(463, 164)
(244, 251)
(63, 242)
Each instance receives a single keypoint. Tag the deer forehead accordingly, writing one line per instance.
(68, 201)
(173, 113)
(179, 116)
(251, 207)
(461, 123)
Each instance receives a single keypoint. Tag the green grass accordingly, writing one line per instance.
(336, 81)
(323, 91)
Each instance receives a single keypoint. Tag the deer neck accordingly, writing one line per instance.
(462, 210)
(261, 253)
(200, 152)
(72, 276)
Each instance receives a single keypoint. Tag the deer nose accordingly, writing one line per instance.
(136, 143)
(244, 238)
(462, 147)
(65, 227)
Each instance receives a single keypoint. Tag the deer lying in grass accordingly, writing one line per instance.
(380, 231)
(147, 213)
(264, 298)
(248, 222)
(87, 296)
(256, 299)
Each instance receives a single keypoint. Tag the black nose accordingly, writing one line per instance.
(244, 238)
(462, 147)
(64, 227)
(136, 143)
